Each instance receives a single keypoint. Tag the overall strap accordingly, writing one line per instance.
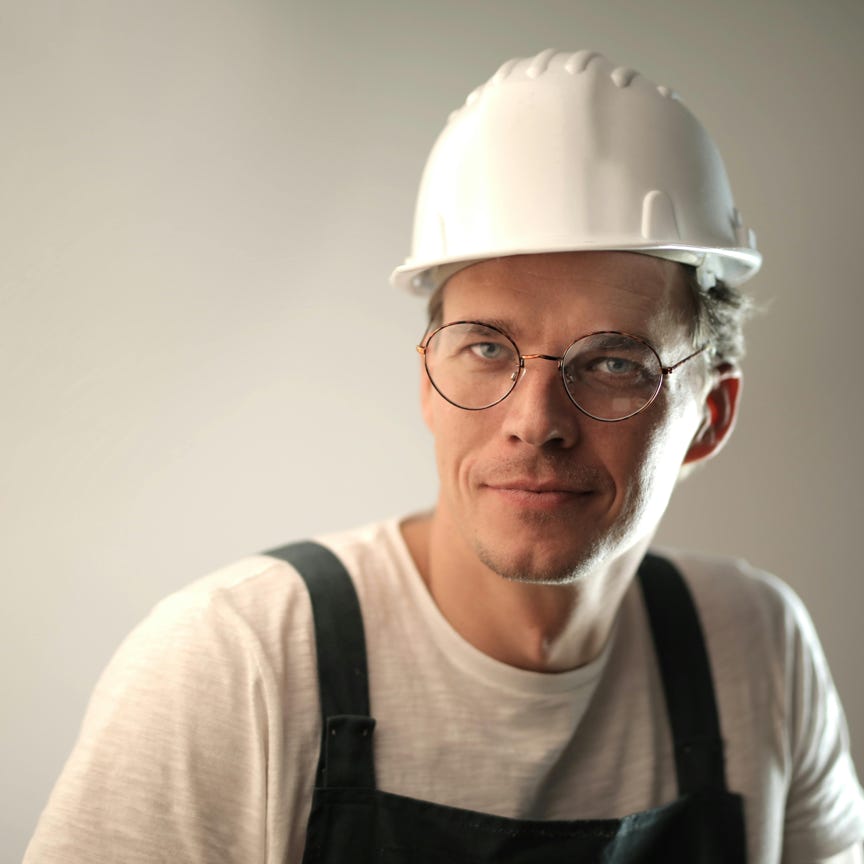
(686, 673)
(346, 728)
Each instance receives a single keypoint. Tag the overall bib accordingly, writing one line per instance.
(352, 822)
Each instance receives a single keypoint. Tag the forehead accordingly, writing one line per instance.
(574, 293)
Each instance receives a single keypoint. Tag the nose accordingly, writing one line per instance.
(539, 411)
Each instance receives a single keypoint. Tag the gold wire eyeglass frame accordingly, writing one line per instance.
(665, 371)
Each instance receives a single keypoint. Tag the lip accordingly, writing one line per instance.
(537, 487)
(535, 495)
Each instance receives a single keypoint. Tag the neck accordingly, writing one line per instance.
(542, 628)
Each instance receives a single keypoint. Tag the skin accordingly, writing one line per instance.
(543, 514)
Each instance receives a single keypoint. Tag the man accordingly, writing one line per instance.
(543, 690)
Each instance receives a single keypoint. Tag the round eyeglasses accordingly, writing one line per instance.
(609, 376)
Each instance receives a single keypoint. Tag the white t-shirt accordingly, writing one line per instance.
(201, 740)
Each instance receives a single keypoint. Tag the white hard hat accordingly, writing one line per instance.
(567, 152)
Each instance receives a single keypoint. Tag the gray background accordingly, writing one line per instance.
(199, 207)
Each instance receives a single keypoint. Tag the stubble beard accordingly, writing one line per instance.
(513, 568)
(522, 565)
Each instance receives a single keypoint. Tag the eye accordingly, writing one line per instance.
(609, 368)
(615, 365)
(474, 347)
(489, 350)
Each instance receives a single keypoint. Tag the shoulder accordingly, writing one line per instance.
(780, 712)
(366, 550)
(215, 688)
(380, 565)
(201, 651)
(733, 595)
(257, 605)
(244, 606)
(752, 623)
(756, 627)
(263, 590)
(704, 571)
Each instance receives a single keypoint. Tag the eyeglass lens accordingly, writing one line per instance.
(610, 376)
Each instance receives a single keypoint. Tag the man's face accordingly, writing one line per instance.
(536, 489)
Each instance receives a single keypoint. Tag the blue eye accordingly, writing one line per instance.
(488, 350)
(608, 370)
(618, 365)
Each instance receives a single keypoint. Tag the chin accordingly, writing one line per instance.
(537, 565)
(546, 549)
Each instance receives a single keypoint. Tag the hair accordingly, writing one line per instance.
(719, 314)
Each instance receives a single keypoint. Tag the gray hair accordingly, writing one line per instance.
(719, 314)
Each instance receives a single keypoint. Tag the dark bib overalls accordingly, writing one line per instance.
(352, 821)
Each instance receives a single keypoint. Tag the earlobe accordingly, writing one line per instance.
(721, 409)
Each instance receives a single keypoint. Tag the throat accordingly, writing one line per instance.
(531, 626)
(556, 634)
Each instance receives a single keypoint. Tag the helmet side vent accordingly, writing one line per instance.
(658, 217)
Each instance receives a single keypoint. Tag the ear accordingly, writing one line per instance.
(721, 410)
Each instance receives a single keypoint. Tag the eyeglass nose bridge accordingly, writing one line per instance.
(558, 361)
(523, 357)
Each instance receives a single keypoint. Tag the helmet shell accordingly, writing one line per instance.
(566, 152)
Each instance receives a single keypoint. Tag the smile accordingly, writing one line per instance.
(537, 497)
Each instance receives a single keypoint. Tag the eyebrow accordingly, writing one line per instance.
(510, 329)
(507, 327)
(500, 324)
(614, 339)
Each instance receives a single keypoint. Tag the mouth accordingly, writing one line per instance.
(539, 487)
(533, 494)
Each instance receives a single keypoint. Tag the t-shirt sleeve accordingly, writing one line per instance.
(824, 806)
(172, 759)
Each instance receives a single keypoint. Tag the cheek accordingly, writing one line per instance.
(445, 423)
(667, 444)
(459, 438)
(657, 449)
(427, 400)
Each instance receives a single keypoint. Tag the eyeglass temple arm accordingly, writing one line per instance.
(668, 370)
